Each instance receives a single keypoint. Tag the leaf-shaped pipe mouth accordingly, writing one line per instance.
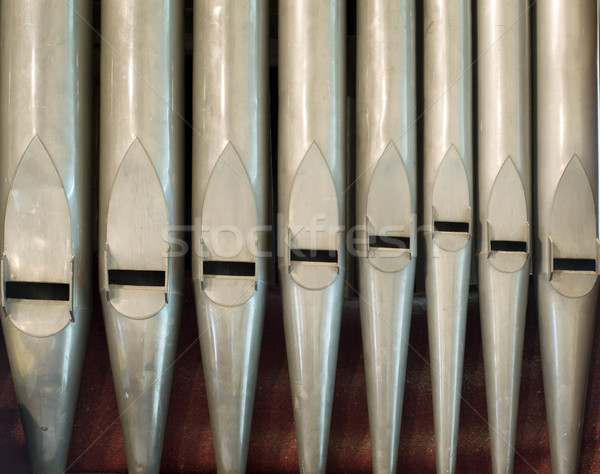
(313, 237)
(136, 255)
(229, 241)
(37, 265)
(572, 241)
(508, 221)
(451, 204)
(389, 213)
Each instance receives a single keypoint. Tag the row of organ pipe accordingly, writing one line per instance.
(45, 197)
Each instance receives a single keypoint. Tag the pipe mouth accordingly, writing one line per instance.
(152, 278)
(587, 265)
(313, 256)
(38, 291)
(389, 242)
(451, 227)
(137, 294)
(228, 269)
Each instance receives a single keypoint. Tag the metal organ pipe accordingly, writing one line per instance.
(504, 166)
(566, 259)
(311, 175)
(45, 199)
(448, 202)
(231, 211)
(141, 210)
(386, 210)
(45, 191)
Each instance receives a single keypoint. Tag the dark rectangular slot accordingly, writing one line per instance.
(313, 256)
(389, 242)
(448, 226)
(136, 277)
(30, 290)
(575, 264)
(508, 246)
(220, 268)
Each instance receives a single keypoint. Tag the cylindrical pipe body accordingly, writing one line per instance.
(141, 212)
(447, 204)
(566, 262)
(45, 163)
(230, 197)
(311, 201)
(504, 167)
(386, 210)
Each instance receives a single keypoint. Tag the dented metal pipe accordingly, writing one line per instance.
(230, 207)
(566, 259)
(45, 197)
(447, 215)
(141, 213)
(386, 210)
(311, 173)
(504, 245)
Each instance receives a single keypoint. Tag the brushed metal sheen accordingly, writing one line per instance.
(566, 256)
(504, 187)
(230, 208)
(45, 196)
(312, 185)
(141, 213)
(447, 203)
(386, 210)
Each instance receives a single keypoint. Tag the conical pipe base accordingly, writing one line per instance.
(230, 339)
(312, 330)
(566, 339)
(385, 309)
(142, 354)
(46, 373)
(503, 302)
(447, 286)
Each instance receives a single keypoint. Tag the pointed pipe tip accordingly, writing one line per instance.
(384, 461)
(42, 461)
(144, 441)
(311, 459)
(565, 444)
(385, 402)
(502, 458)
(446, 411)
(47, 439)
(231, 438)
(312, 437)
(502, 448)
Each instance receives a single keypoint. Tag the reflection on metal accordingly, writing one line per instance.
(230, 201)
(504, 248)
(566, 259)
(141, 200)
(311, 173)
(45, 197)
(386, 206)
(448, 198)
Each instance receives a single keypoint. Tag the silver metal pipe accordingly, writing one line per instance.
(504, 244)
(311, 173)
(141, 212)
(230, 207)
(386, 210)
(447, 198)
(566, 259)
(45, 163)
